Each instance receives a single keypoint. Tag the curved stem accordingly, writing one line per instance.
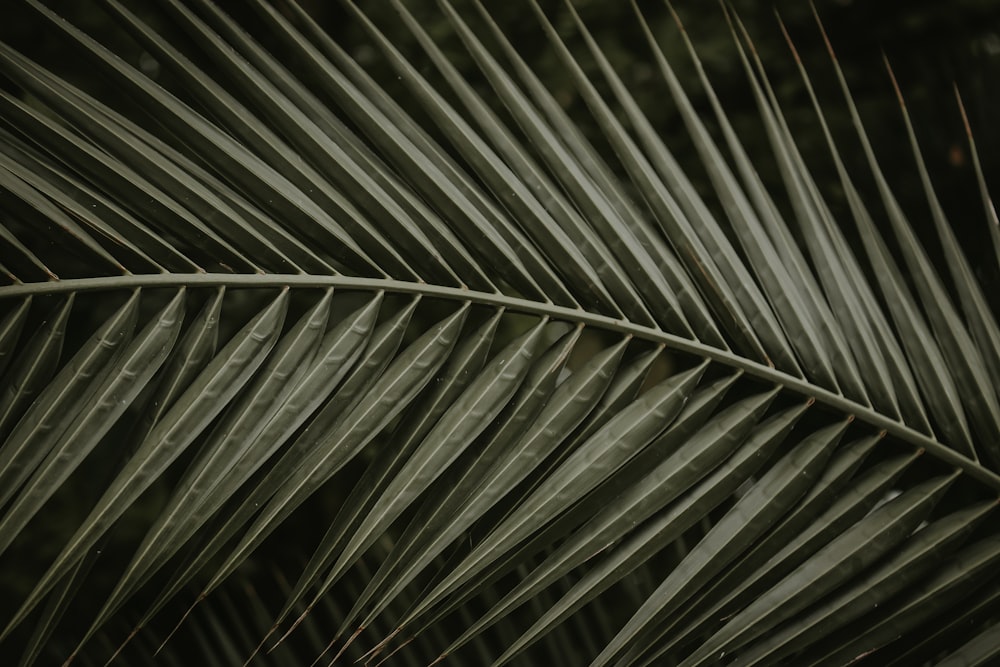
(257, 281)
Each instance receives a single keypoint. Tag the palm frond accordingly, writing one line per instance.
(481, 389)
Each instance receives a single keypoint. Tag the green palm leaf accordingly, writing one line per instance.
(434, 376)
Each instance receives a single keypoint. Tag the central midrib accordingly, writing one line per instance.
(752, 368)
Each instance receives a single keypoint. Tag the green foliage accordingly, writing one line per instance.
(446, 334)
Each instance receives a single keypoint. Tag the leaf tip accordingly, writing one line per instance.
(893, 80)
(822, 31)
(788, 38)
